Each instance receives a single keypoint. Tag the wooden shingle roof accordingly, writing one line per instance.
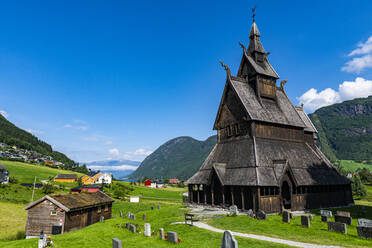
(66, 176)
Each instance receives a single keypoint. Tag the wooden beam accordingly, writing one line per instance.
(242, 196)
(232, 195)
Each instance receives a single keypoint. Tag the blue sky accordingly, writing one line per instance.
(116, 79)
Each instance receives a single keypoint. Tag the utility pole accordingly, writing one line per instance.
(33, 191)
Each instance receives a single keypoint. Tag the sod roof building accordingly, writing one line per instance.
(266, 157)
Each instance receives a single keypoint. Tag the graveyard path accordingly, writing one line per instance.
(261, 237)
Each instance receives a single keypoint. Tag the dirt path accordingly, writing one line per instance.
(260, 237)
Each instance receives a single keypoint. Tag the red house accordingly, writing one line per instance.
(91, 188)
(147, 182)
(174, 181)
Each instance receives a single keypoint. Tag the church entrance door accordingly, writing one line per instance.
(286, 195)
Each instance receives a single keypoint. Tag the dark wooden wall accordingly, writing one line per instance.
(39, 218)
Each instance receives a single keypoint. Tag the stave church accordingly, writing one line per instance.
(266, 157)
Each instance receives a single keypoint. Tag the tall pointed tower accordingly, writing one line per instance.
(266, 156)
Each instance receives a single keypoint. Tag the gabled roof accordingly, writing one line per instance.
(75, 201)
(305, 118)
(280, 111)
(66, 176)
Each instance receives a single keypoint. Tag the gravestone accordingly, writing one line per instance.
(260, 215)
(228, 240)
(172, 237)
(286, 217)
(116, 243)
(132, 216)
(129, 214)
(250, 213)
(152, 208)
(326, 213)
(159, 206)
(127, 225)
(305, 221)
(311, 217)
(102, 219)
(147, 231)
(161, 234)
(324, 218)
(343, 213)
(234, 210)
(337, 227)
(365, 232)
(365, 222)
(343, 219)
(121, 214)
(132, 228)
(144, 217)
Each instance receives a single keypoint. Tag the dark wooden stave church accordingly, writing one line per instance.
(266, 157)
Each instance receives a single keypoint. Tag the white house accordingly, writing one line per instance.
(104, 178)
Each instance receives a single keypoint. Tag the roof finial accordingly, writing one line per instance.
(253, 12)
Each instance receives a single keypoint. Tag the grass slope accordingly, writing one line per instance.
(101, 234)
(352, 166)
(12, 219)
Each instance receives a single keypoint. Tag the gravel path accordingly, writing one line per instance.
(260, 237)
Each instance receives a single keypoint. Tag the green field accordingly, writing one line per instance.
(15, 197)
(352, 166)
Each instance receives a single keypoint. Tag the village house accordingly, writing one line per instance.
(173, 181)
(66, 178)
(147, 182)
(104, 178)
(91, 188)
(266, 157)
(4, 174)
(59, 214)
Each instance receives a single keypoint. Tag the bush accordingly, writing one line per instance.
(358, 187)
(48, 189)
(13, 180)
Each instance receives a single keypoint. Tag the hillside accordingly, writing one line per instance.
(345, 129)
(12, 135)
(179, 158)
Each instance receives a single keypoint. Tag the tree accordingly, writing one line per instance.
(48, 189)
(358, 187)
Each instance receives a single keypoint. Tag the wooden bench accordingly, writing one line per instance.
(189, 218)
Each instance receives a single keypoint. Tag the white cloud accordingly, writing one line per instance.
(113, 168)
(4, 113)
(139, 154)
(358, 64)
(82, 128)
(312, 99)
(108, 143)
(35, 132)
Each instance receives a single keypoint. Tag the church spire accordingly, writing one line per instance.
(254, 36)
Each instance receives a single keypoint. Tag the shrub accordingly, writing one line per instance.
(13, 180)
(48, 189)
(358, 187)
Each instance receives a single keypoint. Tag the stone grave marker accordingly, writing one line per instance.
(161, 234)
(159, 206)
(127, 225)
(343, 219)
(228, 240)
(337, 227)
(326, 213)
(311, 217)
(343, 213)
(132, 228)
(152, 207)
(250, 213)
(260, 215)
(365, 232)
(116, 243)
(144, 217)
(121, 213)
(172, 237)
(129, 214)
(132, 216)
(234, 210)
(365, 222)
(147, 231)
(102, 219)
(305, 221)
(286, 217)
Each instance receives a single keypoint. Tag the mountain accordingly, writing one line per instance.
(118, 168)
(12, 135)
(345, 129)
(178, 158)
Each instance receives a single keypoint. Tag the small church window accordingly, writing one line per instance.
(229, 133)
(106, 208)
(99, 209)
(53, 213)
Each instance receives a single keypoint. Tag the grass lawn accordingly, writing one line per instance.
(26, 173)
(318, 232)
(101, 234)
(352, 166)
(12, 219)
